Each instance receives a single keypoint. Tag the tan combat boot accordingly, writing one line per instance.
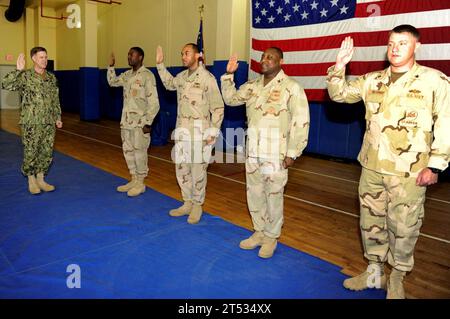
(371, 278)
(255, 240)
(196, 214)
(42, 184)
(395, 288)
(138, 187)
(268, 247)
(33, 188)
(185, 209)
(125, 188)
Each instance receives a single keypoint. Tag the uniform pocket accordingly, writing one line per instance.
(269, 137)
(137, 91)
(142, 141)
(373, 103)
(195, 96)
(417, 114)
(375, 97)
(417, 119)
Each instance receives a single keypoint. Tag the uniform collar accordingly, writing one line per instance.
(42, 76)
(142, 68)
(276, 80)
(194, 74)
(404, 78)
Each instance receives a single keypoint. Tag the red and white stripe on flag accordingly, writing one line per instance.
(309, 49)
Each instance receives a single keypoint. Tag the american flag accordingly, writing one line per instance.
(200, 43)
(310, 33)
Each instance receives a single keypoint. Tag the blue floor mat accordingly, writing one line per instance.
(130, 247)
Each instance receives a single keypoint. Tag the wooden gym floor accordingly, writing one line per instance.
(321, 207)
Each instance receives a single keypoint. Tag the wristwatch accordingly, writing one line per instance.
(435, 170)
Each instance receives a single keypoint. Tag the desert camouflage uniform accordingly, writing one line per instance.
(140, 106)
(40, 110)
(278, 126)
(407, 130)
(199, 115)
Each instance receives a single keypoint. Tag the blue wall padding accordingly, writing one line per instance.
(89, 94)
(336, 129)
(69, 92)
(339, 125)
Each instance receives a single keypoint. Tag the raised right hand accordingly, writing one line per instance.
(159, 55)
(112, 59)
(20, 65)
(345, 53)
(233, 64)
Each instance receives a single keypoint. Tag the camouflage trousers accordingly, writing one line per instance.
(38, 141)
(392, 212)
(266, 180)
(135, 145)
(191, 164)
